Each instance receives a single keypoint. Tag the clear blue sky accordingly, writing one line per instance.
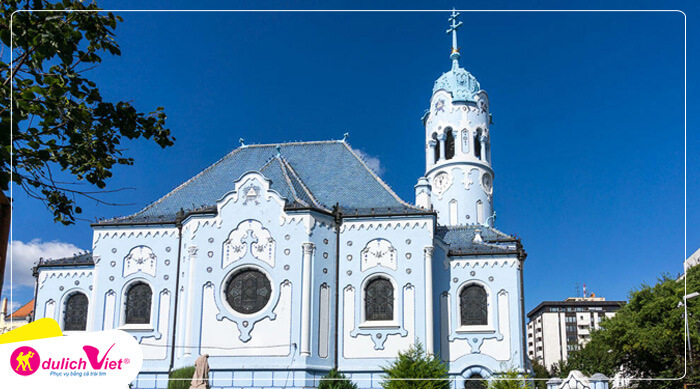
(587, 141)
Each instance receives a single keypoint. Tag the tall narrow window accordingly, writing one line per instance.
(473, 306)
(379, 300)
(479, 211)
(477, 144)
(449, 144)
(475, 381)
(437, 148)
(453, 212)
(138, 304)
(75, 318)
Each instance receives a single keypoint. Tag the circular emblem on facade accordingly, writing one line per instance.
(349, 257)
(325, 241)
(408, 271)
(349, 243)
(472, 273)
(349, 272)
(248, 291)
(166, 277)
(408, 255)
(77, 282)
(325, 271)
(114, 250)
(211, 240)
(25, 361)
(286, 267)
(455, 280)
(209, 269)
(408, 241)
(325, 255)
(210, 254)
(287, 251)
(113, 264)
(491, 278)
(167, 249)
(167, 262)
(286, 237)
(61, 287)
(111, 278)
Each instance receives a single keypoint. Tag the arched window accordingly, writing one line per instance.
(453, 212)
(475, 381)
(449, 144)
(473, 306)
(379, 300)
(479, 211)
(75, 317)
(138, 304)
(437, 148)
(477, 144)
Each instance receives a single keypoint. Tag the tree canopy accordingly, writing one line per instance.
(646, 337)
(60, 125)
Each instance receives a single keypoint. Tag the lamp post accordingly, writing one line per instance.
(687, 328)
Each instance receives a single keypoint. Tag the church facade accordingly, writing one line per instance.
(280, 270)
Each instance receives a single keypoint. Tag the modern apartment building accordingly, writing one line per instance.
(555, 328)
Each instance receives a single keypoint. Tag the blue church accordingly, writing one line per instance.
(301, 259)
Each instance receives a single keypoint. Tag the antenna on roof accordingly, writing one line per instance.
(242, 142)
(345, 137)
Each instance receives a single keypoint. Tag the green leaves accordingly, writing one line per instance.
(59, 118)
(415, 363)
(336, 380)
(646, 336)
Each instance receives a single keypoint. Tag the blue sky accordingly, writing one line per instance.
(587, 142)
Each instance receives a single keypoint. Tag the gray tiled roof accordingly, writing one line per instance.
(76, 260)
(461, 240)
(308, 174)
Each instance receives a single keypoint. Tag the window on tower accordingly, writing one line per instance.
(449, 144)
(379, 299)
(437, 148)
(473, 305)
(477, 144)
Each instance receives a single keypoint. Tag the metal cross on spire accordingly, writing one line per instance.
(453, 29)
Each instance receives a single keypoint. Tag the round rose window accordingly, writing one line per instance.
(248, 291)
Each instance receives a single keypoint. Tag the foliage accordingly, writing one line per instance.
(646, 336)
(415, 363)
(60, 125)
(181, 378)
(540, 371)
(336, 380)
(509, 379)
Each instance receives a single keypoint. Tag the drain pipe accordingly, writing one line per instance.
(338, 219)
(177, 293)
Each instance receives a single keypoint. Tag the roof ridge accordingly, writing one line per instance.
(378, 179)
(147, 207)
(303, 185)
(283, 167)
(301, 142)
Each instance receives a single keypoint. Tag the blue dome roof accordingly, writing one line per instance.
(462, 84)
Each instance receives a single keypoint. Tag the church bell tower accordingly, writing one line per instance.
(458, 180)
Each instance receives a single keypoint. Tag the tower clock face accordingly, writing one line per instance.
(441, 182)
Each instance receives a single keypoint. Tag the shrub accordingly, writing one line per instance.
(181, 378)
(509, 379)
(415, 363)
(335, 380)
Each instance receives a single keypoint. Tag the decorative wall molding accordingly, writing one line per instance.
(383, 225)
(378, 252)
(140, 259)
(249, 237)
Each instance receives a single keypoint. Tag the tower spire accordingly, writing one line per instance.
(453, 29)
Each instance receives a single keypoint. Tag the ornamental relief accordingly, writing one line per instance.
(249, 237)
(140, 259)
(378, 252)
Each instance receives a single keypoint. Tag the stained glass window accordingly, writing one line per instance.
(476, 381)
(379, 300)
(248, 291)
(473, 306)
(138, 304)
(75, 318)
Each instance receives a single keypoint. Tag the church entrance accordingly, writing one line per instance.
(475, 381)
